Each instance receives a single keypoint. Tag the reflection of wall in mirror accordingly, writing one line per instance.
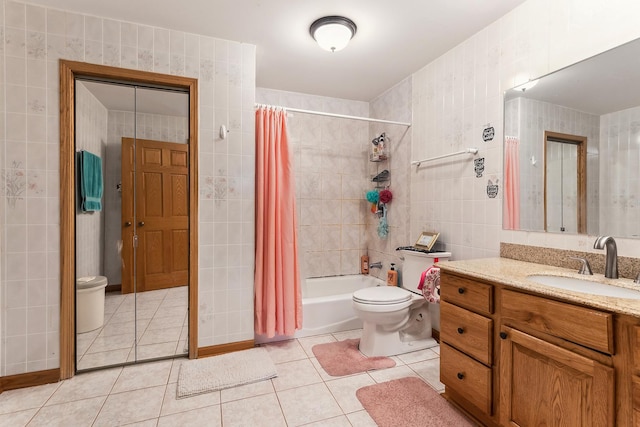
(121, 124)
(91, 135)
(620, 158)
(528, 119)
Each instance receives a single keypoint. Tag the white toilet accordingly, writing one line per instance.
(90, 303)
(397, 320)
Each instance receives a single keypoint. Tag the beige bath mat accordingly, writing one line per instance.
(224, 371)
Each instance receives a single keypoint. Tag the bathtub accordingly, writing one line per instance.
(326, 305)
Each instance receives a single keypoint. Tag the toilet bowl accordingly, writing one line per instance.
(397, 320)
(90, 303)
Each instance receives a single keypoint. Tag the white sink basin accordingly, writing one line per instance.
(585, 286)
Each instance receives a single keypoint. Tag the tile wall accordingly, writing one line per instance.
(34, 38)
(458, 94)
(330, 164)
(620, 208)
(395, 105)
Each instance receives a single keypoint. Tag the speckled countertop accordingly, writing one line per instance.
(514, 273)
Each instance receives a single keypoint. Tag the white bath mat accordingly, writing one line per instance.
(224, 371)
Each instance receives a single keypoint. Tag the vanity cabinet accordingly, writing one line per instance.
(544, 384)
(466, 342)
(510, 357)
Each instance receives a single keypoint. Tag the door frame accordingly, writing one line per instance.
(581, 168)
(69, 70)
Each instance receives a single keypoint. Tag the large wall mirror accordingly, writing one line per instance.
(129, 217)
(584, 179)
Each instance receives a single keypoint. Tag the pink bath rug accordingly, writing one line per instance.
(343, 358)
(409, 402)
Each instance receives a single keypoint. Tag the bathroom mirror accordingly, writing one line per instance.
(597, 100)
(140, 136)
(128, 217)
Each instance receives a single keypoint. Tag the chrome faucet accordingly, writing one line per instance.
(611, 267)
(376, 265)
(585, 268)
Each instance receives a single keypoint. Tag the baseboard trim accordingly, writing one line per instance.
(436, 335)
(29, 379)
(214, 350)
(113, 288)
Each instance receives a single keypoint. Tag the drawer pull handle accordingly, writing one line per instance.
(503, 335)
(460, 376)
(461, 290)
(460, 331)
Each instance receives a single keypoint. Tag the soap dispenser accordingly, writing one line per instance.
(392, 276)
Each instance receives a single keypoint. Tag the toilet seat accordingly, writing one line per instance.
(381, 295)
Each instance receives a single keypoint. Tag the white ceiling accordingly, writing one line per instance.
(122, 97)
(394, 38)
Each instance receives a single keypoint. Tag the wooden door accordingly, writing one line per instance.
(161, 217)
(543, 384)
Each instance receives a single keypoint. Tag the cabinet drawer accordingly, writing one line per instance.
(467, 293)
(581, 325)
(470, 379)
(467, 331)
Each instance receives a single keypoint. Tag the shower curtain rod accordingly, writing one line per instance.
(342, 116)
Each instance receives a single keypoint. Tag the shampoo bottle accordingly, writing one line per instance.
(364, 264)
(392, 276)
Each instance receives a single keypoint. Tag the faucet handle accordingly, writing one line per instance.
(585, 268)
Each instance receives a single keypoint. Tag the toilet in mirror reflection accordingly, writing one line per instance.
(135, 244)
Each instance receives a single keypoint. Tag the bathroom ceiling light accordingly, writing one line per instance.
(333, 32)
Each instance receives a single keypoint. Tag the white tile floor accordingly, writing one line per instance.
(162, 328)
(144, 395)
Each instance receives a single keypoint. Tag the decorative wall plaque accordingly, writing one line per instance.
(492, 189)
(488, 133)
(478, 167)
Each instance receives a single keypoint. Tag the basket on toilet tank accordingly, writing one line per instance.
(90, 303)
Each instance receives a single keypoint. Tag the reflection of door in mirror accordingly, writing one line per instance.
(565, 198)
(161, 214)
(146, 199)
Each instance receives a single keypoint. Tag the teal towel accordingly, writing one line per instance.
(90, 182)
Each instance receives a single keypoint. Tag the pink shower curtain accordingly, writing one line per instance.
(511, 184)
(278, 299)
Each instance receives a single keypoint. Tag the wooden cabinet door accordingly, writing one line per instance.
(542, 384)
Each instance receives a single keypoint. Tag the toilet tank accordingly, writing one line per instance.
(415, 263)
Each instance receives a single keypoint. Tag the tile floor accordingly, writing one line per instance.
(144, 395)
(162, 328)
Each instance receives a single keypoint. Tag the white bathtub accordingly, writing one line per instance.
(326, 305)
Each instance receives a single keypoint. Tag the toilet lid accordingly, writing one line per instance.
(381, 295)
